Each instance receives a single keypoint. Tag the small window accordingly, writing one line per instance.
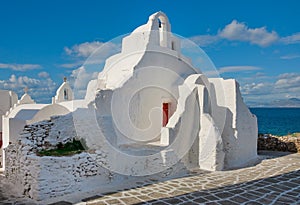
(159, 23)
(173, 45)
(65, 94)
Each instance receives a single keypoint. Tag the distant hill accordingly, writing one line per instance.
(291, 102)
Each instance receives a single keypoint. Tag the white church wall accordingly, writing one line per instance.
(26, 99)
(119, 67)
(15, 127)
(63, 93)
(44, 178)
(10, 134)
(46, 112)
(164, 82)
(5, 131)
(182, 130)
(7, 100)
(211, 154)
(207, 149)
(14, 122)
(247, 130)
(121, 70)
(209, 126)
(91, 90)
(25, 111)
(139, 101)
(135, 42)
(147, 71)
(167, 59)
(239, 127)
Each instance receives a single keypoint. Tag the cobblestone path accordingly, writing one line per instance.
(275, 180)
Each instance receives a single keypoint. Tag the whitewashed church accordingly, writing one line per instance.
(149, 110)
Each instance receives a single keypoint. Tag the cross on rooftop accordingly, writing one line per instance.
(26, 89)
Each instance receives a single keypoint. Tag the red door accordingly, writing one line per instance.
(165, 114)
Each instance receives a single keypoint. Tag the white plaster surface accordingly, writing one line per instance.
(7, 100)
(63, 93)
(26, 99)
(120, 122)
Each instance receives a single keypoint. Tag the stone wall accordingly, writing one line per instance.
(45, 178)
(21, 170)
(47, 134)
(289, 143)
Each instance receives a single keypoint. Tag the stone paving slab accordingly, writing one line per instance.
(275, 180)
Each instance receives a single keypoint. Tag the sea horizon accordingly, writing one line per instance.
(281, 121)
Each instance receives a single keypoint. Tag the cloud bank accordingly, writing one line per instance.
(19, 67)
(39, 89)
(240, 32)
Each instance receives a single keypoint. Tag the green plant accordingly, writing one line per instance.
(70, 148)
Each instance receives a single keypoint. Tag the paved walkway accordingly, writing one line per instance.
(276, 180)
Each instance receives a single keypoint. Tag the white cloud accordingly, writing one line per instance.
(240, 32)
(260, 75)
(292, 39)
(288, 81)
(80, 78)
(19, 67)
(260, 88)
(43, 74)
(40, 90)
(71, 65)
(263, 92)
(90, 53)
(230, 69)
(205, 40)
(290, 56)
(12, 79)
(83, 49)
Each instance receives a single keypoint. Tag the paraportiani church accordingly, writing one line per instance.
(150, 112)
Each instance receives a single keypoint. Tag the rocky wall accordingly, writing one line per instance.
(44, 177)
(289, 143)
(47, 134)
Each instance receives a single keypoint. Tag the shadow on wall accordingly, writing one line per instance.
(224, 120)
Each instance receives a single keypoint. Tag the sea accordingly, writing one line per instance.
(277, 121)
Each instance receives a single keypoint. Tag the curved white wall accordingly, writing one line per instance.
(46, 112)
(7, 100)
(63, 93)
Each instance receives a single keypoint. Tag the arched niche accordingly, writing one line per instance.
(161, 23)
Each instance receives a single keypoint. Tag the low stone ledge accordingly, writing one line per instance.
(288, 143)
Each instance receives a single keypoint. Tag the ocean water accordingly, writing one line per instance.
(277, 121)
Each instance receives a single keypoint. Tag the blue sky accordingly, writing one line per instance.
(256, 42)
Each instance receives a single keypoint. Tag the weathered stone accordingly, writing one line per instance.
(290, 143)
